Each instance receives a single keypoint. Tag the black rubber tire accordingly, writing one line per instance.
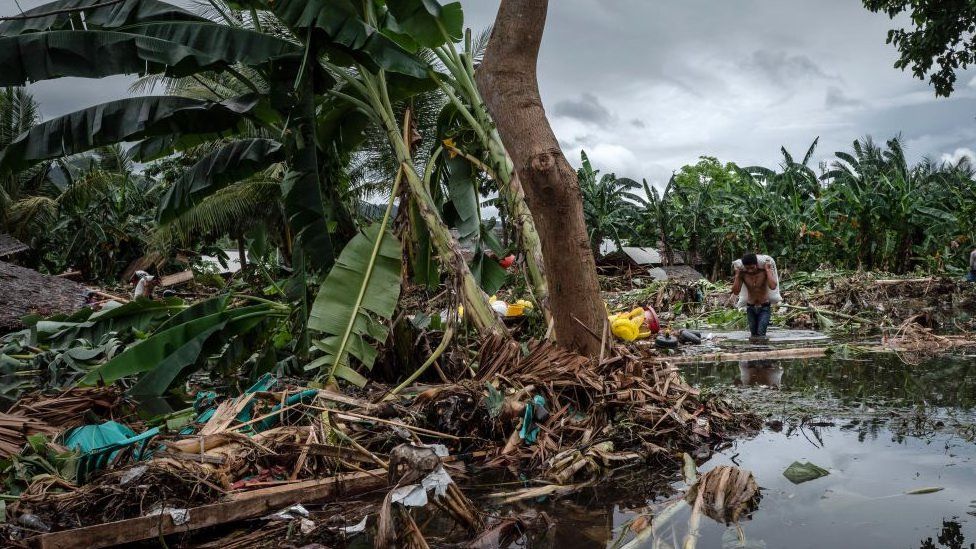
(687, 336)
(666, 342)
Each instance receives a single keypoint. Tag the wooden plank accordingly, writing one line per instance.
(176, 278)
(239, 506)
(343, 399)
(225, 414)
(777, 354)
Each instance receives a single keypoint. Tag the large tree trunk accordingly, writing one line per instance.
(507, 80)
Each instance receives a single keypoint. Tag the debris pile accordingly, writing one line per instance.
(537, 408)
(622, 409)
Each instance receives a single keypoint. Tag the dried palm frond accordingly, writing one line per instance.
(14, 430)
(725, 494)
(68, 409)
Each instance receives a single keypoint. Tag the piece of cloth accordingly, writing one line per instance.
(143, 286)
(758, 316)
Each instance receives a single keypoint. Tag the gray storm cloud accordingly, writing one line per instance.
(645, 87)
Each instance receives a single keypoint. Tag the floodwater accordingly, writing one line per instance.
(881, 427)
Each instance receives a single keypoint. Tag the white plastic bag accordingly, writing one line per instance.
(774, 296)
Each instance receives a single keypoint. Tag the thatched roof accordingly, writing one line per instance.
(682, 273)
(10, 245)
(25, 291)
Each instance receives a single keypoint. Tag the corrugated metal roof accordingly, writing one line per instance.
(643, 256)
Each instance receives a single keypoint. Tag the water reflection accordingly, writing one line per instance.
(943, 381)
(873, 462)
(760, 372)
(949, 538)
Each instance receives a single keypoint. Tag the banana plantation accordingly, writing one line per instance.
(866, 209)
(324, 277)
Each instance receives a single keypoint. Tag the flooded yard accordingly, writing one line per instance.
(896, 439)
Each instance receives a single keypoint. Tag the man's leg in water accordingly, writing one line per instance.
(752, 315)
(763, 316)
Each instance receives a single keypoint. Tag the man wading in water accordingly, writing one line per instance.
(758, 280)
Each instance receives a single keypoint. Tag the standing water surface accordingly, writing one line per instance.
(881, 427)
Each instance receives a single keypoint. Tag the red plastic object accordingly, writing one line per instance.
(507, 262)
(651, 320)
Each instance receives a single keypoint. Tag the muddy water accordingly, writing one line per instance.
(880, 427)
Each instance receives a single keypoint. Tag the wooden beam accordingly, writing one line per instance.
(777, 354)
(239, 506)
(177, 278)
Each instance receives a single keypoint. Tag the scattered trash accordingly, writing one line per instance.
(179, 516)
(689, 336)
(354, 529)
(799, 473)
(920, 491)
(666, 341)
(630, 326)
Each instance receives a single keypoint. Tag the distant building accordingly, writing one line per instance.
(650, 260)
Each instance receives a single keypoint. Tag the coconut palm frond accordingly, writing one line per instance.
(227, 211)
(30, 215)
(18, 112)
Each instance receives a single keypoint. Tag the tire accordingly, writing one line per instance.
(666, 342)
(687, 336)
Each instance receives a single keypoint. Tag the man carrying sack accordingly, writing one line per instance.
(756, 283)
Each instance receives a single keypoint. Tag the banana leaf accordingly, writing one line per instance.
(423, 257)
(362, 288)
(229, 164)
(158, 146)
(138, 314)
(164, 355)
(111, 16)
(173, 49)
(199, 309)
(488, 273)
(123, 120)
(307, 217)
(346, 34)
(233, 44)
(426, 21)
(463, 193)
(239, 325)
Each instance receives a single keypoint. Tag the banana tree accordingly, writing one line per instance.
(91, 39)
(414, 24)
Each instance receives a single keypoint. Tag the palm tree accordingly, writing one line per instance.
(610, 205)
(18, 113)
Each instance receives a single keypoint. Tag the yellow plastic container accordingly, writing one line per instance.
(515, 309)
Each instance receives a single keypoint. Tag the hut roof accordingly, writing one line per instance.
(10, 245)
(26, 291)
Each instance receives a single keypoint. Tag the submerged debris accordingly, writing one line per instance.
(798, 473)
(725, 494)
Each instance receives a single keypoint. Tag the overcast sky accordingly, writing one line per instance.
(646, 86)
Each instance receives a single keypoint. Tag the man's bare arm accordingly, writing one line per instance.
(737, 283)
(771, 277)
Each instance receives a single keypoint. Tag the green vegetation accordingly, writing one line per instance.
(273, 132)
(864, 210)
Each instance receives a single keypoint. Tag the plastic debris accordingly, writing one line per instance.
(535, 411)
(799, 473)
